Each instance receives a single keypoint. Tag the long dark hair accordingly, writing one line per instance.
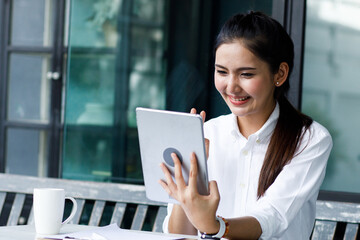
(267, 39)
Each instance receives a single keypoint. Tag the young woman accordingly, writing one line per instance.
(266, 160)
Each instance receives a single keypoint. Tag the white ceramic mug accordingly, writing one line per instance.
(48, 206)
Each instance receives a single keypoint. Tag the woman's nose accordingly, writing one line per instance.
(233, 84)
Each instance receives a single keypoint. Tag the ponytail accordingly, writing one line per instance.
(284, 142)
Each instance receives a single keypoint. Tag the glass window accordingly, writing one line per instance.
(31, 27)
(130, 53)
(149, 10)
(29, 89)
(115, 64)
(146, 80)
(30, 145)
(331, 87)
(90, 90)
(88, 154)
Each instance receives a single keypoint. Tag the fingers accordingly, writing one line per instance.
(167, 174)
(175, 189)
(165, 186)
(214, 191)
(207, 146)
(168, 185)
(178, 172)
(193, 172)
(203, 115)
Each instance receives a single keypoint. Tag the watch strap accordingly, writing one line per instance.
(224, 228)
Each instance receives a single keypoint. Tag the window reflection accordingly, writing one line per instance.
(129, 53)
(90, 91)
(331, 90)
(31, 28)
(29, 144)
(146, 80)
(149, 10)
(29, 89)
(115, 64)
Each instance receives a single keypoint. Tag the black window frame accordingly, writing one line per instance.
(57, 51)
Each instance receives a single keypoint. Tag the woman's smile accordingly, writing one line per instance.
(244, 81)
(238, 100)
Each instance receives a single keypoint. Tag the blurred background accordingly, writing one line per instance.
(72, 73)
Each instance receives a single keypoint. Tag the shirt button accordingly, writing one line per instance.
(242, 185)
(245, 152)
(258, 140)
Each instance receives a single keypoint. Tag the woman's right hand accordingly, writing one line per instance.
(197, 210)
(178, 222)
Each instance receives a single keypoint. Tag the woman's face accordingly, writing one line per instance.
(244, 81)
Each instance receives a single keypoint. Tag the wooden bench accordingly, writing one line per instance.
(127, 206)
(336, 220)
(98, 203)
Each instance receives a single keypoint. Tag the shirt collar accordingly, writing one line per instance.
(264, 131)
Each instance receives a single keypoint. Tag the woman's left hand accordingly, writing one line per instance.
(200, 209)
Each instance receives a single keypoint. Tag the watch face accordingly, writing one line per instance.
(208, 236)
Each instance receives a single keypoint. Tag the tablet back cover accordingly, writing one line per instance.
(161, 133)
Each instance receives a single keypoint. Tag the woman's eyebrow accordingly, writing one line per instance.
(219, 66)
(238, 69)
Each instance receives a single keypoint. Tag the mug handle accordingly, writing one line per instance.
(73, 211)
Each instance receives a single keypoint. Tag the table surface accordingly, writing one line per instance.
(27, 232)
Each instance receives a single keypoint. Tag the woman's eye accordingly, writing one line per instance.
(247, 74)
(221, 72)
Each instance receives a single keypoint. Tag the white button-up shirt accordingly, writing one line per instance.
(287, 210)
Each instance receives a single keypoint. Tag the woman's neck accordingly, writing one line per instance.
(252, 123)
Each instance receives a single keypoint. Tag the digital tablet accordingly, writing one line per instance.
(162, 133)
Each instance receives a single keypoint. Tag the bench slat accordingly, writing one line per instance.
(161, 214)
(80, 207)
(96, 213)
(323, 230)
(2, 200)
(31, 217)
(16, 209)
(118, 213)
(351, 230)
(338, 211)
(139, 217)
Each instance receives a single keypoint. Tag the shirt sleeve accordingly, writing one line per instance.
(298, 183)
(166, 220)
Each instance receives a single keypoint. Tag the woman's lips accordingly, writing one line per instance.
(238, 100)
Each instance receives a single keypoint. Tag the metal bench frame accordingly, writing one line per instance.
(122, 195)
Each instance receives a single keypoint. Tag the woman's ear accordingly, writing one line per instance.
(282, 74)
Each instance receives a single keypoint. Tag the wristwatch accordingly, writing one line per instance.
(224, 228)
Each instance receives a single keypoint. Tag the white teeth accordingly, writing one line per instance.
(239, 99)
